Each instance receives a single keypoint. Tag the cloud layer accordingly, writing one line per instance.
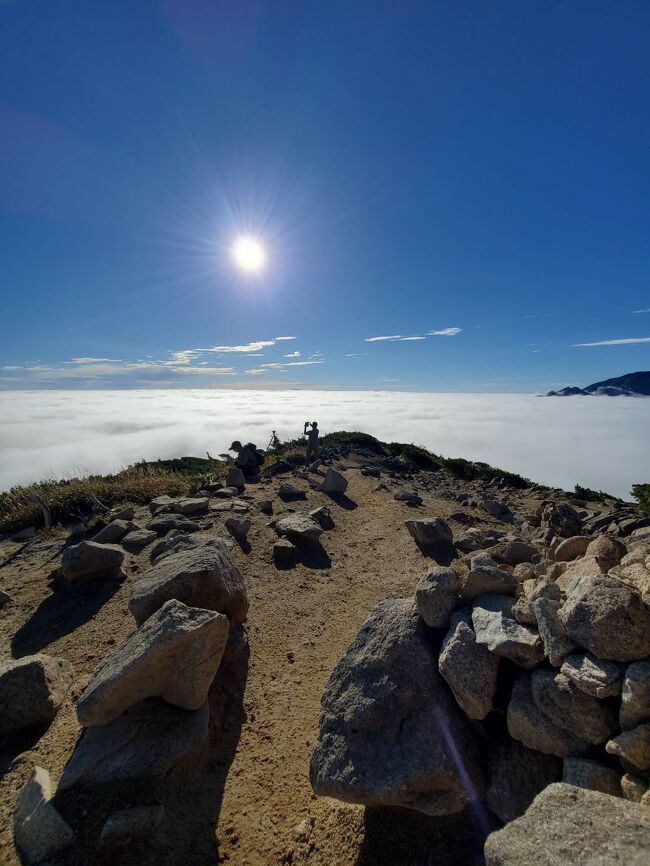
(599, 442)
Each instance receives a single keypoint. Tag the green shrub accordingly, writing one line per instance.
(641, 492)
(590, 495)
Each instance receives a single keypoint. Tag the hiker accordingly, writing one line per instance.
(247, 458)
(312, 440)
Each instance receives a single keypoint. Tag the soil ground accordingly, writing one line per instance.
(247, 799)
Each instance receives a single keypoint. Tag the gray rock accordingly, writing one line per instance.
(409, 496)
(534, 729)
(497, 509)
(436, 595)
(557, 643)
(486, 579)
(323, 517)
(238, 527)
(562, 519)
(299, 528)
(159, 503)
(584, 773)
(195, 505)
(142, 744)
(469, 668)
(571, 548)
(388, 723)
(175, 654)
(607, 618)
(516, 775)
(5, 598)
(226, 492)
(127, 827)
(288, 492)
(163, 523)
(569, 708)
(114, 532)
(334, 482)
(608, 551)
(635, 706)
(89, 560)
(126, 513)
(266, 507)
(173, 542)
(514, 552)
(633, 747)
(430, 530)
(31, 691)
(235, 478)
(523, 611)
(205, 577)
(40, 832)
(496, 628)
(593, 676)
(285, 554)
(483, 560)
(135, 542)
(567, 826)
(468, 542)
(541, 588)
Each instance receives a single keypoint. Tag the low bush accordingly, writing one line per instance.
(641, 493)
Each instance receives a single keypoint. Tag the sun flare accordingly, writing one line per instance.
(248, 254)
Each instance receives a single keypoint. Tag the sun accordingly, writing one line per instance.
(248, 254)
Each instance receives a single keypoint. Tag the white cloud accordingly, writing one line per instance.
(256, 371)
(93, 360)
(646, 310)
(254, 346)
(292, 355)
(281, 339)
(445, 332)
(103, 430)
(626, 341)
(411, 339)
(381, 339)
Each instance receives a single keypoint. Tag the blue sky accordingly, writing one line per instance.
(474, 175)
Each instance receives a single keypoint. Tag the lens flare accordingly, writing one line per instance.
(248, 254)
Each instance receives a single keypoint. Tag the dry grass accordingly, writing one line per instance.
(77, 498)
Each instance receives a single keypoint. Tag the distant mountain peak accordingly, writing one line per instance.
(629, 385)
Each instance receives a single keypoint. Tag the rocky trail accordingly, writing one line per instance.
(245, 797)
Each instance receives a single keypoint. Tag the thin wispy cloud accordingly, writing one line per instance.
(382, 339)
(625, 341)
(93, 360)
(647, 310)
(282, 339)
(445, 332)
(254, 346)
(292, 355)
(398, 338)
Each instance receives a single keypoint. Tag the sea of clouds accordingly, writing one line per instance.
(599, 442)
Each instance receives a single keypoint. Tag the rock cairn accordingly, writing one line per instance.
(523, 664)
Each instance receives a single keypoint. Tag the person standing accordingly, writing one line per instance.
(312, 440)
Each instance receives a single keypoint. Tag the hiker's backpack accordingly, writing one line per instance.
(259, 454)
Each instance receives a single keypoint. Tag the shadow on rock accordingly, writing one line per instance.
(191, 792)
(61, 613)
(193, 796)
(443, 553)
(399, 837)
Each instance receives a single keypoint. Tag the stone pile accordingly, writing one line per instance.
(524, 663)
(145, 707)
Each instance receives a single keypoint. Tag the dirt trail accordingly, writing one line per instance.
(248, 799)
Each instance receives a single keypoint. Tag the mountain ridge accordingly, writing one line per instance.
(629, 385)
